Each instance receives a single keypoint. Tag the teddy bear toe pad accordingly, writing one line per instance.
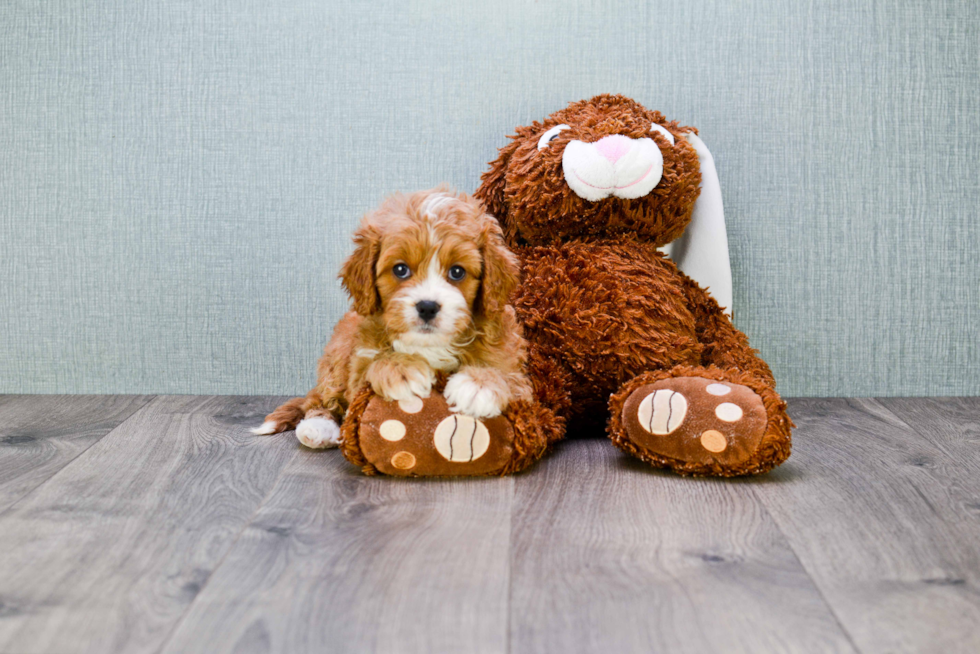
(422, 437)
(696, 420)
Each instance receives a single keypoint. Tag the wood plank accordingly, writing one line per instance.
(338, 562)
(610, 555)
(951, 424)
(885, 522)
(107, 555)
(590, 551)
(40, 434)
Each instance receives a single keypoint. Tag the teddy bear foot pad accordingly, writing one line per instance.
(696, 420)
(423, 438)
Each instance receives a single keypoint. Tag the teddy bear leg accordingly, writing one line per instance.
(423, 438)
(701, 421)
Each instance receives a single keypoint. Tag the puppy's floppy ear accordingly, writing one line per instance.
(501, 271)
(493, 182)
(357, 273)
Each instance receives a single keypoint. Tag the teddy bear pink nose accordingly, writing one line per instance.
(613, 147)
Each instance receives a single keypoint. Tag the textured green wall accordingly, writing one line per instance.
(178, 180)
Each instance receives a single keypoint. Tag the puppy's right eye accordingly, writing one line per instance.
(401, 271)
(551, 135)
(457, 273)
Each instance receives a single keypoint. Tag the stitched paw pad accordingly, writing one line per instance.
(694, 419)
(423, 438)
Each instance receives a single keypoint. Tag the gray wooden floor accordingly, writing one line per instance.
(157, 524)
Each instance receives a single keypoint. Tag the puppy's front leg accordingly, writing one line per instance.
(400, 377)
(483, 392)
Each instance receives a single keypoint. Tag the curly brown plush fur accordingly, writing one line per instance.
(533, 425)
(526, 192)
(604, 312)
(773, 450)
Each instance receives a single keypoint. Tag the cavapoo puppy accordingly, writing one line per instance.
(429, 281)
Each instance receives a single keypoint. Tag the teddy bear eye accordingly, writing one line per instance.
(663, 130)
(551, 135)
(401, 271)
(457, 273)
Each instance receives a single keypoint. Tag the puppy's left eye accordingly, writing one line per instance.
(457, 273)
(401, 271)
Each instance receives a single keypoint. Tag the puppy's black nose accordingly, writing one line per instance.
(427, 309)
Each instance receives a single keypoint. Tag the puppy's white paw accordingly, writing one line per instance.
(409, 383)
(266, 428)
(465, 395)
(318, 433)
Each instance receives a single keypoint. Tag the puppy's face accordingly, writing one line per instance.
(428, 276)
(430, 264)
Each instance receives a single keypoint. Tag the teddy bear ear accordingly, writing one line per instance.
(701, 252)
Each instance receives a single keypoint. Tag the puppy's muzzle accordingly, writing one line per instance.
(427, 309)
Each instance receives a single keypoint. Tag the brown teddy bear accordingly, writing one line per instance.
(616, 333)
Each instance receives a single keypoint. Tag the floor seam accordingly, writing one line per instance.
(150, 400)
(913, 430)
(816, 584)
(251, 518)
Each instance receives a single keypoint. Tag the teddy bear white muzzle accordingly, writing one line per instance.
(612, 166)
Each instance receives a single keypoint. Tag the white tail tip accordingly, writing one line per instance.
(266, 428)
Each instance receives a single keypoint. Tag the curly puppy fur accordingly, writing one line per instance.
(434, 248)
(602, 309)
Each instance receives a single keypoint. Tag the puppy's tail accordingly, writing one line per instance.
(284, 418)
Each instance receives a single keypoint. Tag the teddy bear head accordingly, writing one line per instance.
(604, 167)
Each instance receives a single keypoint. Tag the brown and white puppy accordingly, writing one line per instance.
(429, 281)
